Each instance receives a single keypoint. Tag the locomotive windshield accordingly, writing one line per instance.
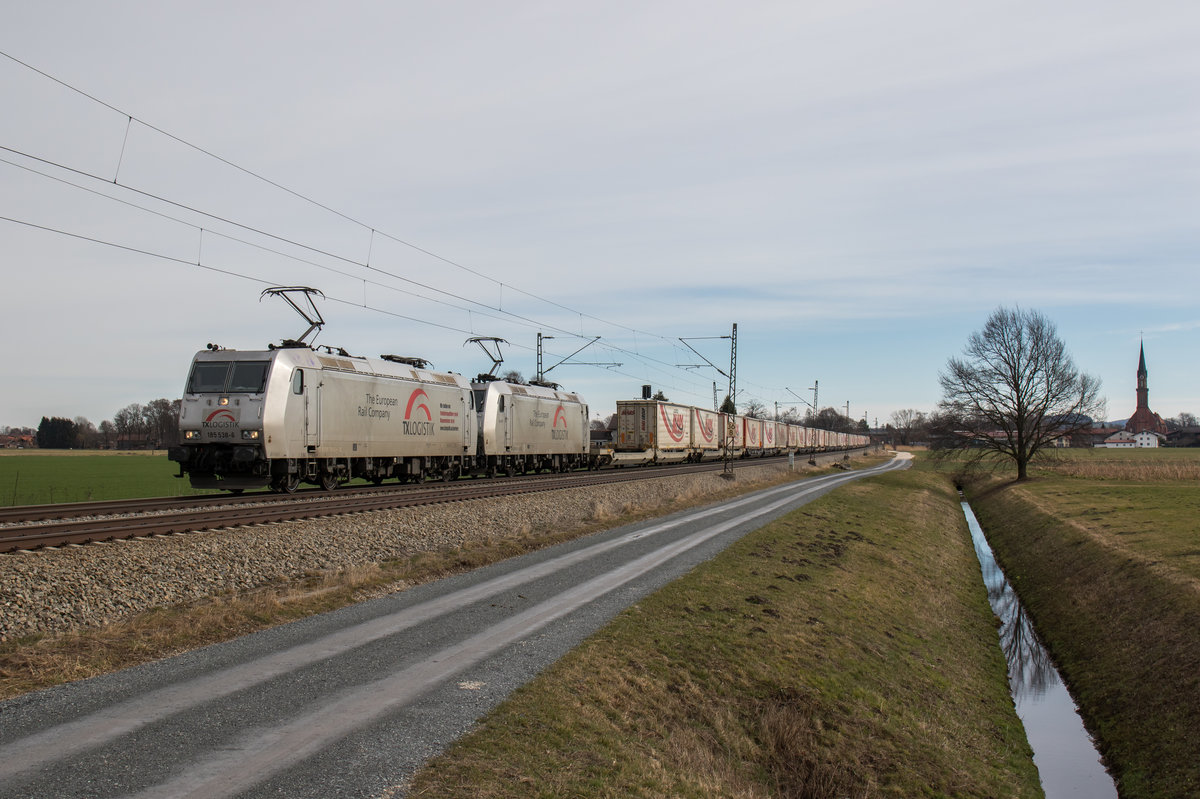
(220, 377)
(249, 376)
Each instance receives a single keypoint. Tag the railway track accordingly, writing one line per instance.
(34, 527)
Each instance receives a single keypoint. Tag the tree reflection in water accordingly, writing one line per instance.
(1064, 754)
(1030, 669)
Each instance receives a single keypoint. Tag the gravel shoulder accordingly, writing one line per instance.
(60, 590)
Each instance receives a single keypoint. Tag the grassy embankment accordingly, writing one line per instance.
(1104, 549)
(846, 650)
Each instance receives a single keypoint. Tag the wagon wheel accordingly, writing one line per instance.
(329, 481)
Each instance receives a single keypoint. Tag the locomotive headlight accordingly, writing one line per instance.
(251, 435)
(223, 401)
(191, 435)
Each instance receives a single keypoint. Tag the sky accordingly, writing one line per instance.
(855, 185)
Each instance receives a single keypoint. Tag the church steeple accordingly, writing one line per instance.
(1143, 418)
(1143, 389)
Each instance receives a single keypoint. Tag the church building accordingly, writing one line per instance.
(1144, 419)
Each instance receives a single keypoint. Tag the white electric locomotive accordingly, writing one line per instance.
(280, 417)
(525, 428)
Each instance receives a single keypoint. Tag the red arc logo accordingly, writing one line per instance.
(674, 425)
(412, 403)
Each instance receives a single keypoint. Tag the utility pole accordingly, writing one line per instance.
(540, 339)
(847, 411)
(716, 405)
(732, 363)
(727, 471)
(541, 374)
(816, 404)
(733, 367)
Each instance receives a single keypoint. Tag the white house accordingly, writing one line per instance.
(1123, 439)
(1148, 438)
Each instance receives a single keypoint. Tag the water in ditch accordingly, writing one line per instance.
(1062, 750)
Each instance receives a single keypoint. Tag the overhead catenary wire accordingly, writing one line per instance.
(292, 192)
(525, 321)
(647, 361)
(260, 281)
(246, 242)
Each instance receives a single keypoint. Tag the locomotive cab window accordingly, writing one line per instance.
(208, 377)
(219, 377)
(298, 381)
(249, 376)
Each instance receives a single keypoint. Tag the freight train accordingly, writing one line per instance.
(653, 431)
(293, 414)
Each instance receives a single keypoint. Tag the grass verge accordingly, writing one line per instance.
(1110, 571)
(847, 650)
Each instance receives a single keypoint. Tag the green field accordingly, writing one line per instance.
(33, 477)
(44, 477)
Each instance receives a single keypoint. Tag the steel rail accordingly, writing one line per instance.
(17, 514)
(182, 515)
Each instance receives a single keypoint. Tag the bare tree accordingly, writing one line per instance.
(907, 423)
(791, 416)
(1182, 421)
(129, 423)
(1016, 390)
(755, 410)
(86, 435)
(107, 432)
(830, 419)
(161, 417)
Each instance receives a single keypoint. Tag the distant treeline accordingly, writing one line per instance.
(154, 425)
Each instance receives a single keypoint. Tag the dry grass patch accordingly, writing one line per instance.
(1146, 470)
